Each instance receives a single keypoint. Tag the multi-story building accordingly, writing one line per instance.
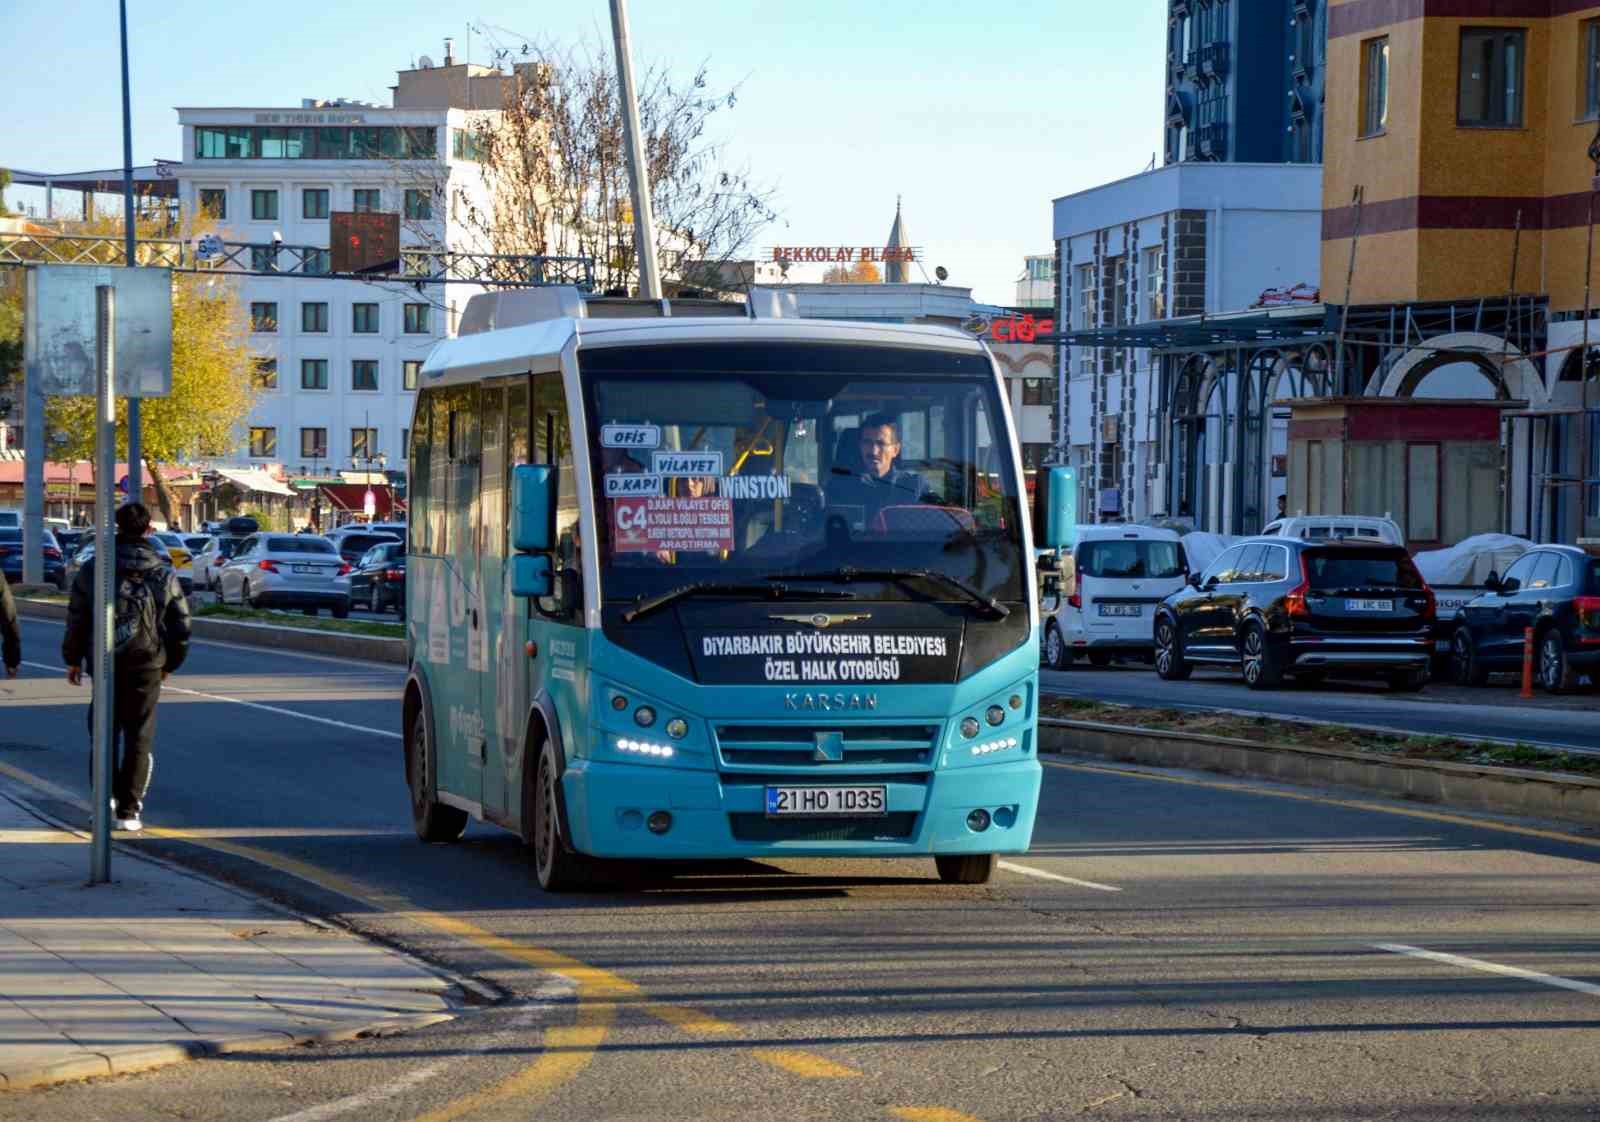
(1036, 287)
(338, 359)
(1245, 80)
(1466, 129)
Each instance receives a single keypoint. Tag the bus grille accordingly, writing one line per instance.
(896, 826)
(873, 747)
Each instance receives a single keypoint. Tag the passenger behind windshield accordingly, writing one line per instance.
(879, 483)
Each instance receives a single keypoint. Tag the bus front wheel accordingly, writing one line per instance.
(433, 821)
(558, 867)
(966, 868)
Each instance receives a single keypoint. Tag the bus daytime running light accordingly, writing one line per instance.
(644, 747)
(994, 746)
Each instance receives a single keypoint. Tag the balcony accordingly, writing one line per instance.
(1211, 141)
(1213, 62)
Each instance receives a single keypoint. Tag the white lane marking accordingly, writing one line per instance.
(255, 705)
(1490, 967)
(545, 998)
(1028, 871)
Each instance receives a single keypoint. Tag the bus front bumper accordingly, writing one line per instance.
(608, 806)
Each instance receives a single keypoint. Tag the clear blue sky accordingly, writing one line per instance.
(977, 115)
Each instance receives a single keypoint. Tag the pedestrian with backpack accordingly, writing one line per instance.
(150, 641)
(10, 633)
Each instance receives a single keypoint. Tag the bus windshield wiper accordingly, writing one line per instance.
(718, 588)
(845, 574)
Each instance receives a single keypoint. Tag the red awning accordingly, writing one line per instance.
(352, 497)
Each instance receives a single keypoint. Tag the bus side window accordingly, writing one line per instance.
(517, 450)
(418, 465)
(552, 444)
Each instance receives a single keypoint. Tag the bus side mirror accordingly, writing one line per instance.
(530, 576)
(533, 507)
(1055, 507)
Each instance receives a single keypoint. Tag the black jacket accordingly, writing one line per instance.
(10, 633)
(132, 557)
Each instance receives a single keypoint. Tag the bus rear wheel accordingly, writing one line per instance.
(433, 821)
(559, 868)
(966, 868)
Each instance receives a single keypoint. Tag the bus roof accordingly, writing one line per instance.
(538, 346)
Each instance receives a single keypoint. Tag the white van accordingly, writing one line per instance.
(1319, 527)
(1110, 583)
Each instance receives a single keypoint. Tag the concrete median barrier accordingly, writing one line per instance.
(333, 644)
(1497, 790)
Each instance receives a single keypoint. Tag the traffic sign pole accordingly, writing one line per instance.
(105, 573)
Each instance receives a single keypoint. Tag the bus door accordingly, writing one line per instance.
(503, 685)
(455, 600)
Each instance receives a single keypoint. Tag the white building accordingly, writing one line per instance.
(339, 358)
(1036, 287)
(1182, 241)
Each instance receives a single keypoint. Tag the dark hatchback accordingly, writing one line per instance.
(1310, 609)
(1553, 589)
(11, 558)
(378, 582)
(353, 546)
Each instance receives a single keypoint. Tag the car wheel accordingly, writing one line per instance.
(966, 868)
(341, 610)
(1556, 674)
(1057, 656)
(1408, 681)
(1100, 659)
(1465, 665)
(1263, 666)
(433, 821)
(1171, 666)
(558, 868)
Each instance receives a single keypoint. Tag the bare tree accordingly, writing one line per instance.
(555, 169)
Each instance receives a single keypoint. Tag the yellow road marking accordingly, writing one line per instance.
(930, 1114)
(808, 1064)
(694, 1021)
(1351, 804)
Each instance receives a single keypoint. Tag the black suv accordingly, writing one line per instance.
(1310, 609)
(1554, 589)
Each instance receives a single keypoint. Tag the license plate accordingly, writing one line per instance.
(1369, 605)
(826, 802)
(308, 568)
(1134, 610)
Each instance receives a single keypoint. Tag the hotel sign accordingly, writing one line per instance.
(311, 118)
(845, 254)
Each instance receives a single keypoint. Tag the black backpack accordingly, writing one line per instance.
(138, 615)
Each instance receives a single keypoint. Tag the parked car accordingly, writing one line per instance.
(178, 551)
(11, 557)
(70, 540)
(1110, 582)
(86, 551)
(208, 562)
(378, 581)
(1272, 606)
(287, 571)
(353, 546)
(1553, 589)
(10, 520)
(1321, 527)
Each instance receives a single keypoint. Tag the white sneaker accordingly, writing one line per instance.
(132, 825)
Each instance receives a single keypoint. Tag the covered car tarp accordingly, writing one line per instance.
(1202, 548)
(1470, 562)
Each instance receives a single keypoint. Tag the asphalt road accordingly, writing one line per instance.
(1175, 946)
(1494, 712)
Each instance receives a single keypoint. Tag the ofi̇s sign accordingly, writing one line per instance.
(1011, 329)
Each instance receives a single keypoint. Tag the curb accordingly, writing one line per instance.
(369, 648)
(148, 1057)
(1497, 790)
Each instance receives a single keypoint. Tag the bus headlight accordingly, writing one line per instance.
(677, 728)
(644, 716)
(969, 727)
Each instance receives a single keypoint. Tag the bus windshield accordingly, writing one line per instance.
(735, 464)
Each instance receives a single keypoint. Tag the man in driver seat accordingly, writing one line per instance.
(879, 484)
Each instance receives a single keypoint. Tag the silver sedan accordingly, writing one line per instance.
(287, 571)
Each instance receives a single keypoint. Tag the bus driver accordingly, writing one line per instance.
(879, 484)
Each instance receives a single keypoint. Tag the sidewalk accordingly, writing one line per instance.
(162, 966)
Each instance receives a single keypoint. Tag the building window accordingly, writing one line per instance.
(264, 373)
(418, 204)
(314, 317)
(317, 262)
(314, 444)
(264, 316)
(263, 443)
(1034, 456)
(214, 202)
(263, 259)
(1491, 77)
(313, 373)
(1374, 86)
(314, 202)
(363, 444)
(264, 206)
(405, 441)
(1035, 391)
(410, 372)
(1154, 285)
(1086, 316)
(1589, 53)
(364, 319)
(367, 200)
(364, 374)
(328, 142)
(416, 319)
(464, 146)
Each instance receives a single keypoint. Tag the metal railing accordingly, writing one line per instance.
(272, 259)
